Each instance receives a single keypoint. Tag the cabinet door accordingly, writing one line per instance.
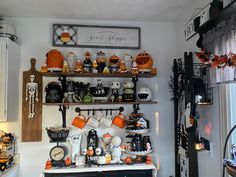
(9, 79)
(71, 174)
(129, 173)
(3, 69)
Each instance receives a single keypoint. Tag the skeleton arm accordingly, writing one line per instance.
(36, 94)
(26, 92)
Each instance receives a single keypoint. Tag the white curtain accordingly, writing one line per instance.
(221, 44)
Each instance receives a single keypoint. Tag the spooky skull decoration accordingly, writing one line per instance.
(115, 85)
(144, 94)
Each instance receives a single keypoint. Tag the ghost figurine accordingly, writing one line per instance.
(116, 149)
(75, 141)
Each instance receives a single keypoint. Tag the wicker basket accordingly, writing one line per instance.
(58, 135)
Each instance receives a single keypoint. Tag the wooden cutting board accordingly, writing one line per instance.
(32, 105)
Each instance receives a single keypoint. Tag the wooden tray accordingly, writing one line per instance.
(231, 170)
(32, 113)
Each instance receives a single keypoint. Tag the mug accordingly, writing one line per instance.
(119, 120)
(106, 121)
(92, 122)
(79, 121)
(80, 160)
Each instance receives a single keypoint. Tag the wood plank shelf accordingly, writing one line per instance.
(227, 12)
(109, 75)
(100, 103)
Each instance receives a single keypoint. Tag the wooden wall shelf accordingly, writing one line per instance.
(100, 103)
(114, 75)
(228, 11)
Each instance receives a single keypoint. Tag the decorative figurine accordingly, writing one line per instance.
(48, 164)
(115, 86)
(75, 141)
(68, 161)
(128, 91)
(128, 62)
(101, 61)
(71, 59)
(147, 143)
(87, 64)
(98, 151)
(44, 68)
(122, 67)
(148, 160)
(95, 66)
(116, 149)
(84, 152)
(137, 124)
(54, 60)
(79, 66)
(128, 161)
(144, 62)
(92, 139)
(87, 98)
(66, 67)
(134, 69)
(106, 70)
(90, 153)
(120, 98)
(107, 140)
(114, 63)
(144, 94)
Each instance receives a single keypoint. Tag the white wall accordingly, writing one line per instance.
(209, 163)
(159, 39)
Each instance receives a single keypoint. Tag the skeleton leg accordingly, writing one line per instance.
(32, 107)
(32, 111)
(30, 102)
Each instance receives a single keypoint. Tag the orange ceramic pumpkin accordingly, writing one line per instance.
(54, 60)
(144, 62)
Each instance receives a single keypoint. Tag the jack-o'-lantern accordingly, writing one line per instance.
(114, 61)
(144, 94)
(144, 62)
(54, 60)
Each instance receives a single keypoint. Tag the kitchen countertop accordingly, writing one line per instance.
(96, 168)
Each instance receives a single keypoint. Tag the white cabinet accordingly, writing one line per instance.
(9, 79)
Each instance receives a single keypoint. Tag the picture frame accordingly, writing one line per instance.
(93, 36)
(189, 29)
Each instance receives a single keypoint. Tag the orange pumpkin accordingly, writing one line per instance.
(144, 62)
(114, 61)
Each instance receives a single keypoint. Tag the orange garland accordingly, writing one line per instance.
(216, 60)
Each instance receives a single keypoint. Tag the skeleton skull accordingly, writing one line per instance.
(32, 77)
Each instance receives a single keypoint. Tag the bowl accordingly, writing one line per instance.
(99, 91)
(58, 134)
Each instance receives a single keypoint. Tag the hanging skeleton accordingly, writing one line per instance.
(31, 95)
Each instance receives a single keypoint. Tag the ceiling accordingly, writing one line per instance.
(129, 10)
